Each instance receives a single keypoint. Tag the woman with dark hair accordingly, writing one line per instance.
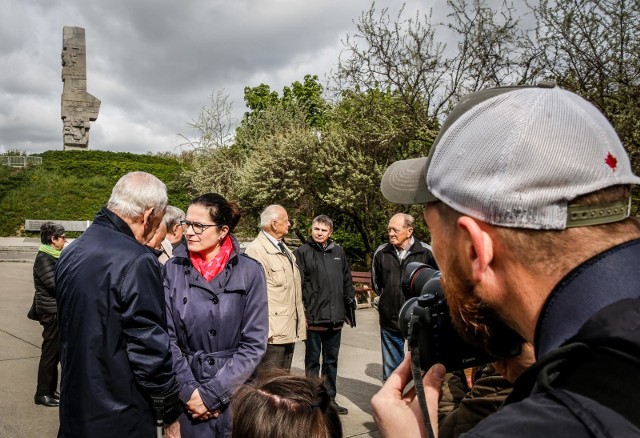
(216, 313)
(44, 269)
(285, 406)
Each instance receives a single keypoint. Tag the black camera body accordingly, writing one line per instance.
(425, 322)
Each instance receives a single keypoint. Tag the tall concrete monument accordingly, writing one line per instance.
(78, 107)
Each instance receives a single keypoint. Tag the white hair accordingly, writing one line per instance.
(269, 214)
(172, 216)
(136, 192)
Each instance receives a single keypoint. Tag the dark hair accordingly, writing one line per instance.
(324, 220)
(221, 211)
(281, 405)
(50, 231)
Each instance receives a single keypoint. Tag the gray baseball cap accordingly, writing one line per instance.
(515, 157)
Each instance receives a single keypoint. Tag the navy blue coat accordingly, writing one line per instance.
(114, 343)
(218, 332)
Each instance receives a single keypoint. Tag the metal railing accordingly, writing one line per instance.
(20, 161)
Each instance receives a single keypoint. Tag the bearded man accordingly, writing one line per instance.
(527, 197)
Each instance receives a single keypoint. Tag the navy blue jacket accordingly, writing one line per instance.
(598, 305)
(114, 343)
(218, 332)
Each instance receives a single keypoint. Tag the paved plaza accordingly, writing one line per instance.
(359, 370)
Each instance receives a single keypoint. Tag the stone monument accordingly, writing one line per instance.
(78, 107)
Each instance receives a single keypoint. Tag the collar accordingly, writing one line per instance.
(271, 239)
(608, 277)
(319, 247)
(109, 218)
(401, 252)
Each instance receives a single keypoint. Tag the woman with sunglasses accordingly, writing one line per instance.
(216, 313)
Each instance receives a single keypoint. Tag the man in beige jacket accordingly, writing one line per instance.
(287, 323)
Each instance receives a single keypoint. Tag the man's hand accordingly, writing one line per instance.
(172, 430)
(399, 414)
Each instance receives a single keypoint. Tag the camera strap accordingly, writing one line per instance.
(416, 372)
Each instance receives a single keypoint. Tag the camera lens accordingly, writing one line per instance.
(416, 276)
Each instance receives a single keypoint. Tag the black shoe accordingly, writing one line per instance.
(46, 400)
(56, 395)
(339, 409)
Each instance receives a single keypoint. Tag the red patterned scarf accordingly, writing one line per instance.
(210, 269)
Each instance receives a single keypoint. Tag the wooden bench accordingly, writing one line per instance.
(35, 224)
(363, 287)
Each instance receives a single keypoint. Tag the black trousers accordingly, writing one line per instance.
(327, 343)
(48, 367)
(277, 356)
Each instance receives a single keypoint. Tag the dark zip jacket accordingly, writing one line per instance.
(386, 276)
(587, 343)
(326, 282)
(44, 271)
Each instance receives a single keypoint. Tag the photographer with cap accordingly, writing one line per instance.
(527, 197)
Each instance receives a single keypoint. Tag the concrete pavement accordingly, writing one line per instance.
(359, 370)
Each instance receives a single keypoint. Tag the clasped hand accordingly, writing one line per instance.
(198, 410)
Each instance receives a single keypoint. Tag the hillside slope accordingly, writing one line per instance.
(73, 185)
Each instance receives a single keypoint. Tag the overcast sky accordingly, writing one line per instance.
(155, 63)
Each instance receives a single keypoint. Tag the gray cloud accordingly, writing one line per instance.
(154, 64)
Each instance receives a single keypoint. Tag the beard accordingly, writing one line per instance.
(476, 322)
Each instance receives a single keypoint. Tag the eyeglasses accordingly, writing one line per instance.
(197, 228)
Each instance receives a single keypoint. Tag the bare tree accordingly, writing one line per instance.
(215, 125)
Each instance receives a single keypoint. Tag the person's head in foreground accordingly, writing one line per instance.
(515, 179)
(522, 186)
(284, 406)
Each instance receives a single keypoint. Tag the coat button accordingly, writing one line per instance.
(211, 361)
(212, 332)
(184, 300)
(215, 299)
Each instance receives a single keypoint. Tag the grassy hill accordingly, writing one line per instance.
(73, 185)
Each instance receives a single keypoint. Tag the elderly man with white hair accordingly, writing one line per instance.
(117, 375)
(287, 323)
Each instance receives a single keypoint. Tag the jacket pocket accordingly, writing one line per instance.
(277, 276)
(281, 323)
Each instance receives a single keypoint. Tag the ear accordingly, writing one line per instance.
(146, 216)
(478, 248)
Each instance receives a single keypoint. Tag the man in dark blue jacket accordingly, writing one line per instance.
(115, 356)
(326, 287)
(527, 194)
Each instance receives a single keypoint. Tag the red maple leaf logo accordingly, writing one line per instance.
(611, 161)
